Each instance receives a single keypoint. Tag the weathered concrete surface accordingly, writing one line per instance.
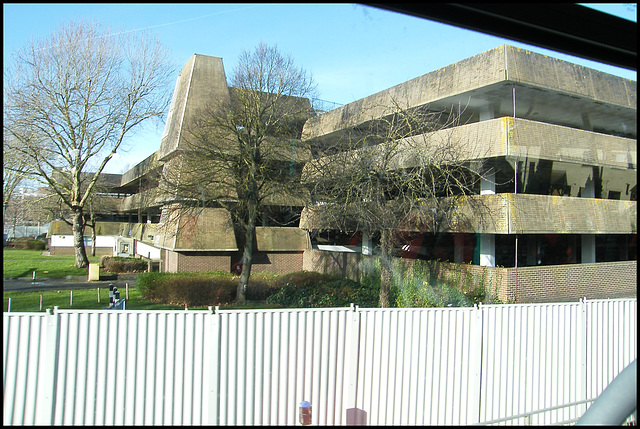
(281, 239)
(202, 229)
(546, 90)
(547, 214)
(201, 80)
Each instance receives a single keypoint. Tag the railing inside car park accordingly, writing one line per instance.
(616, 405)
(527, 416)
(323, 106)
(486, 365)
(631, 420)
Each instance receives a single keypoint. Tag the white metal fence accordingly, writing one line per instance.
(374, 366)
(17, 231)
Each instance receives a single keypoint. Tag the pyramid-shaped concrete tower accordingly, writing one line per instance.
(201, 80)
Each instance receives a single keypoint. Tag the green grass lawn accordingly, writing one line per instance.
(83, 299)
(87, 299)
(22, 263)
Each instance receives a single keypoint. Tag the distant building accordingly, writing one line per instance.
(561, 139)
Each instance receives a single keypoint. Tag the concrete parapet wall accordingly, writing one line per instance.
(545, 214)
(486, 73)
(488, 68)
(537, 140)
(540, 70)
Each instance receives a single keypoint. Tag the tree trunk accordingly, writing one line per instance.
(247, 259)
(93, 233)
(93, 241)
(385, 268)
(78, 238)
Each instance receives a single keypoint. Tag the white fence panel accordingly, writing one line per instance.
(419, 366)
(106, 367)
(270, 360)
(611, 341)
(450, 366)
(25, 369)
(532, 359)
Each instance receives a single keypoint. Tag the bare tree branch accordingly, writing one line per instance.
(244, 154)
(70, 101)
(401, 173)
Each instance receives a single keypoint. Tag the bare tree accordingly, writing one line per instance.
(70, 101)
(14, 169)
(244, 153)
(401, 173)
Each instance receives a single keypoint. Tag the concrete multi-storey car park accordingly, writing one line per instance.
(560, 137)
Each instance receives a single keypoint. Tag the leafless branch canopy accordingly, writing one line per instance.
(403, 171)
(245, 153)
(71, 99)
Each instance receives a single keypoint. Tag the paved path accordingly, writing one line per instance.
(66, 283)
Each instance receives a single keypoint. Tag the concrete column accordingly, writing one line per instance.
(488, 184)
(588, 240)
(458, 249)
(532, 251)
(487, 250)
(367, 245)
(486, 113)
(487, 241)
(588, 249)
(589, 190)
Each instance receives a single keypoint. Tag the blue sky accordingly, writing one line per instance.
(351, 50)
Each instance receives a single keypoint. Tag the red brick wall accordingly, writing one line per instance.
(341, 263)
(275, 262)
(562, 283)
(100, 251)
(553, 283)
(175, 262)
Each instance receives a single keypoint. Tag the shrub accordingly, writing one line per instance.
(309, 289)
(194, 290)
(419, 286)
(103, 259)
(27, 244)
(262, 285)
(123, 265)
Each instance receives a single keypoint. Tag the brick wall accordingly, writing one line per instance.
(197, 262)
(100, 251)
(562, 283)
(275, 262)
(552, 283)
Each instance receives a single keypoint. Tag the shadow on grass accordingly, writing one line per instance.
(27, 273)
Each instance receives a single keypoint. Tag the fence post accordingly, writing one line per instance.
(212, 379)
(475, 376)
(582, 349)
(351, 359)
(48, 379)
